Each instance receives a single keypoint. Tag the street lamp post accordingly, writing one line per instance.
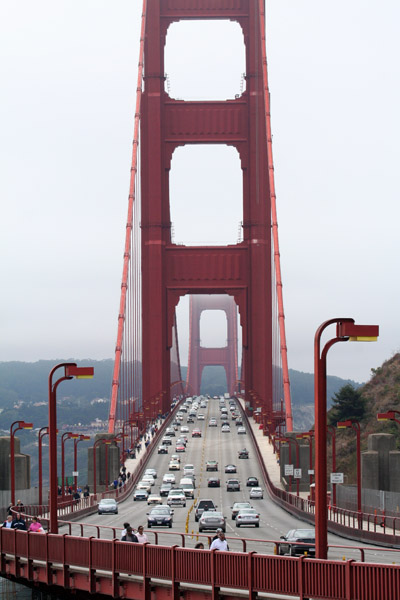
(81, 438)
(355, 425)
(346, 330)
(16, 426)
(42, 432)
(65, 436)
(71, 370)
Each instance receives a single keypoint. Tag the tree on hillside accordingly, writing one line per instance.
(348, 403)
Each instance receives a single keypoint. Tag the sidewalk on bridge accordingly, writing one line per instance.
(269, 457)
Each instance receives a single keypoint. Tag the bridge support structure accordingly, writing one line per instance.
(201, 356)
(169, 271)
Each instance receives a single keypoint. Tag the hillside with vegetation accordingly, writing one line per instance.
(380, 394)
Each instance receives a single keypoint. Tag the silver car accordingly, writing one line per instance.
(212, 520)
(256, 492)
(247, 516)
(107, 505)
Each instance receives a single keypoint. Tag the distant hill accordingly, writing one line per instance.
(381, 394)
(23, 388)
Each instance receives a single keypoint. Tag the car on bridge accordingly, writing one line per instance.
(107, 505)
(151, 472)
(233, 485)
(225, 428)
(212, 520)
(247, 516)
(176, 497)
(162, 449)
(243, 453)
(140, 494)
(174, 465)
(166, 441)
(252, 482)
(256, 492)
(169, 478)
(213, 482)
(180, 448)
(165, 489)
(290, 542)
(241, 430)
(230, 468)
(202, 506)
(184, 429)
(239, 506)
(154, 499)
(196, 433)
(211, 465)
(160, 516)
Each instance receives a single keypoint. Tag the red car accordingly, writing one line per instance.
(180, 448)
(196, 433)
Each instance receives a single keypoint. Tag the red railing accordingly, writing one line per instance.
(256, 573)
(362, 527)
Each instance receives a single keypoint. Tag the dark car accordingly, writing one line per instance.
(233, 485)
(290, 542)
(252, 482)
(213, 482)
(238, 422)
(230, 468)
(160, 516)
(243, 453)
(165, 489)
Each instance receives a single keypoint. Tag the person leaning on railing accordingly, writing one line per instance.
(36, 526)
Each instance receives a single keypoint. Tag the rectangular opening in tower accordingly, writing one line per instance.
(206, 195)
(205, 60)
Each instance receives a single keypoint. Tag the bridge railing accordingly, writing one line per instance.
(256, 573)
(372, 528)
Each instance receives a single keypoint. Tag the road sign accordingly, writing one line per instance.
(297, 473)
(75, 473)
(311, 471)
(337, 478)
(288, 469)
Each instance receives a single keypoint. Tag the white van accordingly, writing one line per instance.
(187, 486)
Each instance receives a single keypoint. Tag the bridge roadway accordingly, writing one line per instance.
(222, 447)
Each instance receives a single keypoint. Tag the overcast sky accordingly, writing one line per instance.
(68, 79)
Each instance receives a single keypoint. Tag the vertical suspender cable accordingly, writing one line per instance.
(129, 226)
(281, 315)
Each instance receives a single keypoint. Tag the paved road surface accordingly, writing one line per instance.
(223, 447)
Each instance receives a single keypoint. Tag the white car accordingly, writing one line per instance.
(225, 429)
(175, 457)
(174, 465)
(149, 479)
(154, 499)
(241, 431)
(184, 429)
(151, 473)
(200, 417)
(169, 478)
(176, 497)
(256, 492)
(144, 485)
(247, 516)
(188, 469)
